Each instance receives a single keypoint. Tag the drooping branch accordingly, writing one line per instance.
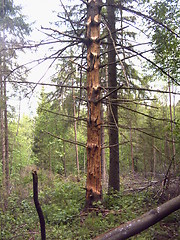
(64, 115)
(138, 225)
(157, 21)
(66, 140)
(144, 114)
(149, 18)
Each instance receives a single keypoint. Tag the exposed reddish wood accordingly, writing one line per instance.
(93, 183)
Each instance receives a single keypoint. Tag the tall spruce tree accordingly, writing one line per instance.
(13, 28)
(113, 108)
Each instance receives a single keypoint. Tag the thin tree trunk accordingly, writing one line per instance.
(103, 159)
(84, 162)
(132, 154)
(93, 183)
(154, 160)
(113, 109)
(171, 118)
(2, 130)
(50, 162)
(64, 160)
(6, 141)
(4, 122)
(75, 136)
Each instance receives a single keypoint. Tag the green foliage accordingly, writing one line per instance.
(52, 129)
(62, 202)
(165, 42)
(21, 141)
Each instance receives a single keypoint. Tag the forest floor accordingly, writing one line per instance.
(62, 201)
(162, 189)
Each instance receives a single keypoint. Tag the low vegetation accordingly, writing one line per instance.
(62, 201)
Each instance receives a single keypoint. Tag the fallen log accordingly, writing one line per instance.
(138, 225)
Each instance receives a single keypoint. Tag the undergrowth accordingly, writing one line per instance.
(62, 202)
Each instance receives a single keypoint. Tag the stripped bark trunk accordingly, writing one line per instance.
(93, 183)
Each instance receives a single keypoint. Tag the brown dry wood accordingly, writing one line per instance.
(37, 205)
(138, 225)
(93, 182)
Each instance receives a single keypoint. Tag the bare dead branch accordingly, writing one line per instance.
(145, 16)
(37, 205)
(66, 140)
(64, 115)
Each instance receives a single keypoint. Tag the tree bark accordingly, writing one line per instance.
(93, 183)
(138, 225)
(113, 108)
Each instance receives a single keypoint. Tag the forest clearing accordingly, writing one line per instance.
(96, 156)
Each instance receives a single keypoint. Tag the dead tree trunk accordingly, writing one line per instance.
(37, 205)
(93, 183)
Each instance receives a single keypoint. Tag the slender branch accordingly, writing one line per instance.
(108, 94)
(45, 84)
(79, 39)
(72, 25)
(146, 17)
(153, 63)
(146, 115)
(63, 115)
(65, 140)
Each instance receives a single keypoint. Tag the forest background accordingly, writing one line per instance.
(136, 52)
